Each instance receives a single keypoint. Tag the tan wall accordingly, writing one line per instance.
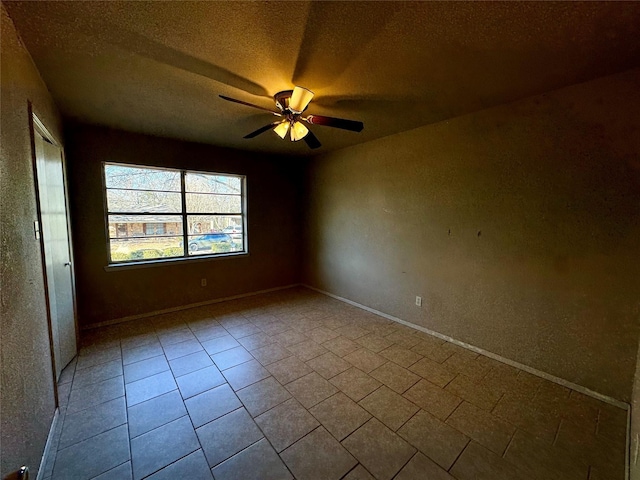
(518, 225)
(273, 186)
(26, 382)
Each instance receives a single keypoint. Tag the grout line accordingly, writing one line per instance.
(453, 411)
(165, 423)
(369, 394)
(447, 384)
(555, 437)
(595, 432)
(513, 363)
(460, 454)
(497, 403)
(95, 434)
(271, 444)
(242, 450)
(504, 454)
(175, 461)
(407, 462)
(408, 419)
(484, 376)
(354, 467)
(535, 394)
(117, 466)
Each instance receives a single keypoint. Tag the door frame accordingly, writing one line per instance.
(37, 127)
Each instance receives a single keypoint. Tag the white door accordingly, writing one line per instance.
(56, 248)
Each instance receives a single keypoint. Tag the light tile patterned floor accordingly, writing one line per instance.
(294, 384)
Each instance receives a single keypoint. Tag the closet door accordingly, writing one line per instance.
(55, 243)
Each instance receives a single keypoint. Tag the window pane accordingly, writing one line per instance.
(143, 201)
(142, 226)
(238, 245)
(205, 183)
(132, 249)
(139, 178)
(197, 224)
(209, 243)
(205, 203)
(146, 219)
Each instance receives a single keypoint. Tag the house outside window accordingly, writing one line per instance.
(159, 213)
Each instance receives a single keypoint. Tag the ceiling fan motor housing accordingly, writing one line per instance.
(282, 100)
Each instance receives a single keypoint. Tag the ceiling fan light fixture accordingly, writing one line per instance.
(290, 104)
(299, 100)
(282, 129)
(298, 131)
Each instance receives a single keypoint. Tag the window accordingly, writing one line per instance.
(154, 228)
(157, 213)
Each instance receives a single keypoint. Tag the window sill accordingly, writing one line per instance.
(172, 261)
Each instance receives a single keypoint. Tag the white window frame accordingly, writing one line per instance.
(183, 214)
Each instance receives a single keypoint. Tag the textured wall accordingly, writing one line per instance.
(26, 383)
(518, 225)
(273, 189)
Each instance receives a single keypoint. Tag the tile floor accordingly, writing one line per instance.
(294, 384)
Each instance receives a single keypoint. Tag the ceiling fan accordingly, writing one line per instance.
(291, 104)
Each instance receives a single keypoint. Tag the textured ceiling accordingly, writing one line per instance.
(158, 67)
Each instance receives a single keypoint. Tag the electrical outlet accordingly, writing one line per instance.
(203, 282)
(419, 301)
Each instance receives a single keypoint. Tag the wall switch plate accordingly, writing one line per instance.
(36, 229)
(419, 301)
(203, 282)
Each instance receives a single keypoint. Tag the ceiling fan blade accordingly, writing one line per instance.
(261, 130)
(342, 123)
(324, 19)
(248, 104)
(311, 140)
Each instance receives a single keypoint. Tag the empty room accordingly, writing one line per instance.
(320, 240)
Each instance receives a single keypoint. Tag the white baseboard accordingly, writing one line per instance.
(183, 307)
(499, 358)
(47, 446)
